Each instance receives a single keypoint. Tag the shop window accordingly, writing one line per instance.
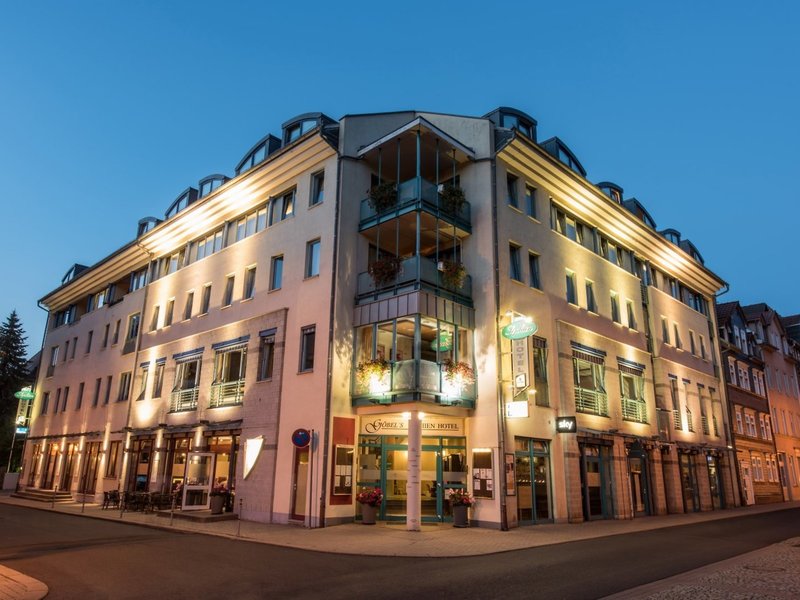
(113, 458)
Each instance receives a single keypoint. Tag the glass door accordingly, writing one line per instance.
(66, 469)
(300, 484)
(395, 473)
(714, 482)
(51, 458)
(691, 501)
(596, 482)
(533, 481)
(198, 479)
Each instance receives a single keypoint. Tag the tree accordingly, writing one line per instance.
(13, 375)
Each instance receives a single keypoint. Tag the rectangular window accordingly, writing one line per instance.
(45, 402)
(511, 189)
(169, 312)
(312, 258)
(66, 351)
(189, 306)
(702, 348)
(227, 299)
(634, 407)
(133, 327)
(79, 400)
(143, 373)
(115, 338)
(107, 397)
(74, 347)
(124, 387)
(66, 399)
(739, 427)
(287, 206)
(692, 346)
(615, 308)
(154, 319)
(57, 402)
(89, 337)
(514, 262)
(113, 458)
(249, 283)
(631, 314)
(665, 330)
(96, 398)
(138, 279)
(540, 372)
(158, 380)
(205, 300)
(533, 270)
(677, 336)
(266, 357)
(276, 276)
(229, 375)
(572, 292)
(530, 201)
(590, 389)
(591, 304)
(307, 335)
(317, 188)
(105, 335)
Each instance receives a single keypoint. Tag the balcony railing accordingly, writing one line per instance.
(227, 393)
(180, 400)
(634, 410)
(591, 401)
(689, 423)
(676, 419)
(704, 422)
(415, 273)
(716, 426)
(413, 380)
(413, 194)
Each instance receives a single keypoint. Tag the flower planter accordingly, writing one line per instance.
(217, 504)
(368, 514)
(460, 515)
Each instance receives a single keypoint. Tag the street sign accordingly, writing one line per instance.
(301, 438)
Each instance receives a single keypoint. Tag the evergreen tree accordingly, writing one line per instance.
(13, 375)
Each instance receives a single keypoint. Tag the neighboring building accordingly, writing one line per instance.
(780, 365)
(377, 281)
(749, 408)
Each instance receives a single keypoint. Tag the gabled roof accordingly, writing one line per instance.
(725, 310)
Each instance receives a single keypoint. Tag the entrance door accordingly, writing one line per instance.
(714, 483)
(66, 469)
(533, 481)
(691, 499)
(596, 480)
(787, 489)
(747, 483)
(639, 488)
(50, 460)
(197, 485)
(300, 484)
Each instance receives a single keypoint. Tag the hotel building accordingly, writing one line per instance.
(436, 302)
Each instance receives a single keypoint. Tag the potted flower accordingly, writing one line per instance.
(453, 273)
(371, 373)
(384, 269)
(451, 199)
(460, 501)
(369, 499)
(219, 496)
(458, 373)
(382, 197)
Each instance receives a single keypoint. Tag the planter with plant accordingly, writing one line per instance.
(453, 273)
(372, 373)
(460, 501)
(384, 270)
(382, 197)
(458, 373)
(369, 499)
(218, 498)
(451, 199)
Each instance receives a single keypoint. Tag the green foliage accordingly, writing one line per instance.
(13, 374)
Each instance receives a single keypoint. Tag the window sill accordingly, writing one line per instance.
(250, 299)
(305, 372)
(277, 289)
(315, 205)
(314, 276)
(516, 209)
(534, 219)
(268, 379)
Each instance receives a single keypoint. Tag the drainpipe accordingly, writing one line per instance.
(331, 318)
(501, 424)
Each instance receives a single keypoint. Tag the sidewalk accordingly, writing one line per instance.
(16, 586)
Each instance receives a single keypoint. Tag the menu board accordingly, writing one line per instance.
(482, 474)
(343, 470)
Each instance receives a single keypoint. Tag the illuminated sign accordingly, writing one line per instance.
(520, 370)
(25, 394)
(22, 431)
(516, 410)
(394, 424)
(566, 425)
(443, 342)
(519, 329)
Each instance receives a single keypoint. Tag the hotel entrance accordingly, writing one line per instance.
(383, 463)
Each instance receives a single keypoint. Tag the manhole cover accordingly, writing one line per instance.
(765, 569)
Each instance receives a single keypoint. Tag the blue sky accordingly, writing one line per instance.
(109, 110)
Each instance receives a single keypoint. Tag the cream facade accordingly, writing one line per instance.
(441, 302)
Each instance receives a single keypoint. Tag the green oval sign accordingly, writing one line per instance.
(519, 329)
(442, 343)
(25, 394)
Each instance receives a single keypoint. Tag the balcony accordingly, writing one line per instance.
(634, 410)
(413, 381)
(676, 419)
(227, 393)
(415, 273)
(182, 400)
(416, 194)
(704, 422)
(591, 401)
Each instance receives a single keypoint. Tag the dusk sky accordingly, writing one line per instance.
(109, 110)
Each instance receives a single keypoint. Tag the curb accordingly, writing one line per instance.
(18, 586)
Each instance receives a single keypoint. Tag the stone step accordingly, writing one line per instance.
(43, 495)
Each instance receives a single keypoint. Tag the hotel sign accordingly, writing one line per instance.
(397, 424)
(520, 371)
(519, 329)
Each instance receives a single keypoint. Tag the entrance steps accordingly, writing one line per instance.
(40, 495)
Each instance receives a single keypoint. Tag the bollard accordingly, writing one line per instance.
(122, 498)
(53, 501)
(172, 509)
(239, 524)
(83, 502)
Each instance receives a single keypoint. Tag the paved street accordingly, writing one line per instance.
(88, 558)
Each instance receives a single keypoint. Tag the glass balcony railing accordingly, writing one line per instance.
(415, 273)
(180, 400)
(413, 380)
(227, 393)
(418, 193)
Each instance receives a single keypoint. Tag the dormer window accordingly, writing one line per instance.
(146, 225)
(672, 236)
(258, 153)
(181, 202)
(210, 183)
(295, 132)
(515, 122)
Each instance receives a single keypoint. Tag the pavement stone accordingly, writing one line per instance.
(18, 586)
